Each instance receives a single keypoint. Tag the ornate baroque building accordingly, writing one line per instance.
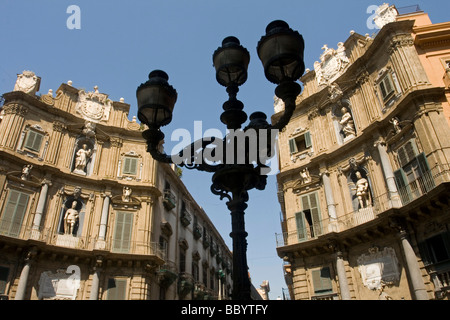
(86, 213)
(364, 167)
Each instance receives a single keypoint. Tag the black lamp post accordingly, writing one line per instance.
(281, 53)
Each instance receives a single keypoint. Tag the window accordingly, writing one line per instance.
(195, 271)
(322, 281)
(4, 272)
(122, 233)
(182, 262)
(300, 143)
(116, 289)
(308, 220)
(14, 212)
(33, 140)
(164, 246)
(130, 165)
(413, 178)
(205, 275)
(387, 87)
(436, 249)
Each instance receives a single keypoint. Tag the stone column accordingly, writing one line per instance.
(23, 280)
(331, 205)
(342, 277)
(340, 269)
(41, 204)
(388, 174)
(96, 279)
(104, 217)
(412, 267)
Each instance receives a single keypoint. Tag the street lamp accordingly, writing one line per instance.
(238, 169)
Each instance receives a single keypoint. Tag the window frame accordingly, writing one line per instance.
(130, 160)
(294, 143)
(306, 218)
(119, 245)
(31, 147)
(13, 216)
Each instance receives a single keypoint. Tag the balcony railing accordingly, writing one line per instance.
(82, 243)
(383, 202)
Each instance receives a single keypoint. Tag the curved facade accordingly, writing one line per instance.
(364, 168)
(86, 213)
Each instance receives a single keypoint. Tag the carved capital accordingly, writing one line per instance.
(15, 109)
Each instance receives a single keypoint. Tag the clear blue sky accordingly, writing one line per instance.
(120, 42)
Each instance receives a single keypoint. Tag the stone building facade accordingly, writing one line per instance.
(86, 213)
(364, 167)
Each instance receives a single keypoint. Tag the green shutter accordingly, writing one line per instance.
(12, 217)
(122, 233)
(315, 213)
(130, 165)
(292, 146)
(33, 140)
(301, 228)
(322, 281)
(402, 186)
(116, 289)
(308, 143)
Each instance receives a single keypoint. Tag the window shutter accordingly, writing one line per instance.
(308, 143)
(322, 280)
(423, 163)
(122, 234)
(37, 142)
(117, 289)
(446, 239)
(315, 213)
(425, 253)
(292, 146)
(402, 186)
(301, 231)
(130, 165)
(11, 220)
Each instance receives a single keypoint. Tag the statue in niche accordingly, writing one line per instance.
(126, 194)
(26, 171)
(71, 218)
(362, 190)
(348, 125)
(82, 157)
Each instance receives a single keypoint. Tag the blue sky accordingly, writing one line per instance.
(120, 42)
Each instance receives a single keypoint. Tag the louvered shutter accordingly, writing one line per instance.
(130, 165)
(292, 146)
(301, 229)
(33, 141)
(12, 217)
(322, 280)
(308, 143)
(123, 230)
(315, 213)
(116, 289)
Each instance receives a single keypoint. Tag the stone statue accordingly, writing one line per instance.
(26, 171)
(396, 123)
(126, 194)
(304, 175)
(70, 218)
(82, 157)
(362, 190)
(348, 125)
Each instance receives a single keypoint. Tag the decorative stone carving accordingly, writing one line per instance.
(93, 106)
(71, 218)
(378, 267)
(59, 285)
(278, 104)
(335, 92)
(82, 156)
(332, 64)
(26, 171)
(347, 123)
(89, 129)
(362, 191)
(27, 82)
(385, 14)
(126, 197)
(304, 176)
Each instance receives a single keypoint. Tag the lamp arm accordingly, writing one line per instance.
(288, 92)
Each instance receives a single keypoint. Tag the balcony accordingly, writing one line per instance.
(169, 200)
(50, 238)
(185, 218)
(406, 194)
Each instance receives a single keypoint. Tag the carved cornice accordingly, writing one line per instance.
(14, 108)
